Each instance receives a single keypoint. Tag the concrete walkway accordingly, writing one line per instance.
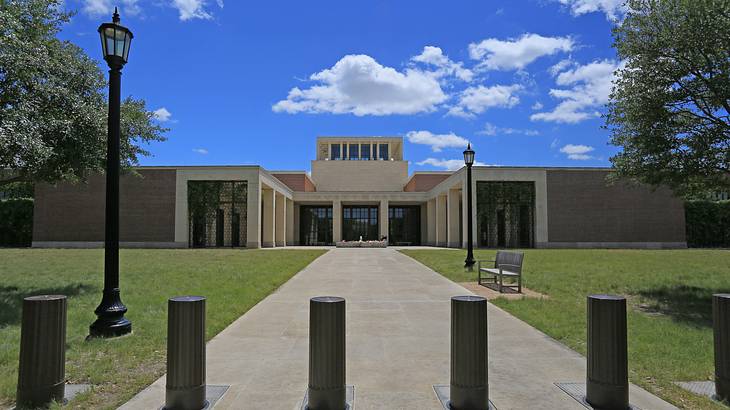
(397, 343)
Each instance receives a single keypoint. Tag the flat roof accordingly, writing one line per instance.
(554, 168)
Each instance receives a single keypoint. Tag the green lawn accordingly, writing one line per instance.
(669, 293)
(232, 280)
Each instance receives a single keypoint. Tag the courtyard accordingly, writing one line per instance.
(398, 321)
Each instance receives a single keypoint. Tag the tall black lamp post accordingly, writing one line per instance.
(110, 322)
(469, 161)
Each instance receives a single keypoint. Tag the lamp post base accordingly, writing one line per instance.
(110, 320)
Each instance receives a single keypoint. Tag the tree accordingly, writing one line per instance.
(669, 107)
(53, 105)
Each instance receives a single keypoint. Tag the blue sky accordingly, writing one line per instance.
(241, 83)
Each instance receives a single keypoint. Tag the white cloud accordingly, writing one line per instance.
(437, 142)
(359, 85)
(192, 9)
(476, 100)
(589, 89)
(555, 69)
(492, 130)
(516, 54)
(612, 8)
(201, 151)
(97, 8)
(434, 56)
(537, 106)
(100, 8)
(188, 9)
(489, 129)
(447, 164)
(577, 152)
(161, 114)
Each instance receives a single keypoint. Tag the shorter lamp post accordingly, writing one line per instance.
(110, 322)
(469, 161)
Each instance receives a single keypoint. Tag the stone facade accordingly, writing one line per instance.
(573, 207)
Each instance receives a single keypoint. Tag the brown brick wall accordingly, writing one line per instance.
(75, 212)
(296, 182)
(583, 208)
(424, 182)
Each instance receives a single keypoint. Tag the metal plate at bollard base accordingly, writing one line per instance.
(349, 398)
(443, 395)
(578, 392)
(213, 394)
(70, 391)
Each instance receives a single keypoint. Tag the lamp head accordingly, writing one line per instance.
(115, 41)
(469, 155)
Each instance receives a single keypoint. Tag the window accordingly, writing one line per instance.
(384, 152)
(354, 151)
(315, 225)
(217, 213)
(359, 221)
(506, 214)
(365, 154)
(404, 225)
(335, 151)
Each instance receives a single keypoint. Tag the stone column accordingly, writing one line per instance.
(280, 222)
(336, 221)
(290, 222)
(253, 215)
(465, 212)
(453, 207)
(431, 222)
(268, 218)
(441, 215)
(383, 217)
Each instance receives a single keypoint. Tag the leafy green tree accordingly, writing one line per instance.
(53, 105)
(669, 107)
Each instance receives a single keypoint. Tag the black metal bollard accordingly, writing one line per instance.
(607, 382)
(326, 354)
(721, 325)
(469, 387)
(185, 387)
(42, 364)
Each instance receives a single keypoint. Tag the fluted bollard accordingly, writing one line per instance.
(607, 382)
(469, 376)
(185, 388)
(326, 354)
(42, 364)
(721, 324)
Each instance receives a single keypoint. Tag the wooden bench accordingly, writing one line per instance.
(506, 264)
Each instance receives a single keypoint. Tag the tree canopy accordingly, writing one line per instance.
(53, 104)
(669, 107)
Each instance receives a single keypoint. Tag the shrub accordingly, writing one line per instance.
(708, 224)
(16, 222)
